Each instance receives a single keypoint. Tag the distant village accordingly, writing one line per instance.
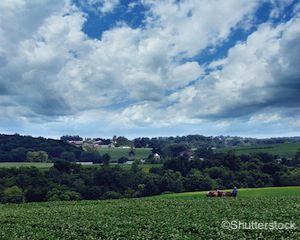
(101, 143)
(96, 143)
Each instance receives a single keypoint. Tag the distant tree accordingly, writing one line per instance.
(68, 156)
(272, 167)
(70, 138)
(132, 151)
(106, 158)
(179, 164)
(150, 188)
(37, 156)
(204, 152)
(62, 165)
(196, 181)
(62, 194)
(264, 157)
(6, 156)
(36, 194)
(91, 156)
(122, 141)
(19, 154)
(174, 150)
(111, 195)
(135, 167)
(172, 181)
(13, 195)
(141, 142)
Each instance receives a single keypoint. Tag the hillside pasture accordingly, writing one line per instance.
(25, 164)
(116, 153)
(282, 150)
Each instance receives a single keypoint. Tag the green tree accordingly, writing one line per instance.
(37, 156)
(13, 195)
(62, 165)
(62, 194)
(196, 181)
(68, 156)
(106, 158)
(19, 154)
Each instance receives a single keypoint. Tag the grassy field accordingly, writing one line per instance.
(243, 193)
(25, 164)
(156, 218)
(283, 150)
(116, 153)
(144, 167)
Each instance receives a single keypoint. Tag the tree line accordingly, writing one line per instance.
(69, 181)
(16, 148)
(193, 141)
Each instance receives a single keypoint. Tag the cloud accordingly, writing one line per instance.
(99, 6)
(261, 72)
(51, 71)
(108, 5)
(190, 26)
(12, 4)
(278, 7)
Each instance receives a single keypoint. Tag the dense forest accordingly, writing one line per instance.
(16, 148)
(69, 181)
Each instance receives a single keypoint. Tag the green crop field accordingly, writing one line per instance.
(25, 164)
(195, 217)
(284, 150)
(144, 167)
(116, 153)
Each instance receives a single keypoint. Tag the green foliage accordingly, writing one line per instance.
(13, 194)
(62, 165)
(13, 148)
(150, 218)
(68, 156)
(111, 195)
(122, 141)
(174, 150)
(62, 194)
(91, 156)
(71, 138)
(106, 158)
(196, 181)
(176, 175)
(37, 156)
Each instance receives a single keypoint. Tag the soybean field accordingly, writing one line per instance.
(181, 217)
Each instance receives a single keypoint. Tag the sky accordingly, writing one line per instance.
(98, 68)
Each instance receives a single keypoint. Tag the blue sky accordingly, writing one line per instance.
(99, 68)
